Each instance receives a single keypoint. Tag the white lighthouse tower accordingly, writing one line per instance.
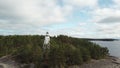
(46, 50)
(46, 44)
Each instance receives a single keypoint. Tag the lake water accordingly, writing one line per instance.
(113, 46)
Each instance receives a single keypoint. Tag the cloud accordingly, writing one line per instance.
(100, 13)
(32, 11)
(105, 21)
(20, 16)
(28, 16)
(104, 14)
(110, 20)
(108, 30)
(117, 3)
(82, 3)
(83, 18)
(39, 12)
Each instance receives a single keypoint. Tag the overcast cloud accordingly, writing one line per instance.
(79, 18)
(110, 20)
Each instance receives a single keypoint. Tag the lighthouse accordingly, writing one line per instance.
(46, 50)
(46, 44)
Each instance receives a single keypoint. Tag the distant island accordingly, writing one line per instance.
(104, 39)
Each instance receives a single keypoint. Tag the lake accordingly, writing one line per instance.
(113, 46)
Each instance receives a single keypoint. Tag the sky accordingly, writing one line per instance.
(76, 18)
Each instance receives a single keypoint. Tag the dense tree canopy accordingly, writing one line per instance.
(64, 50)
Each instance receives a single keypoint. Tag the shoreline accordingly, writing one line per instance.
(109, 62)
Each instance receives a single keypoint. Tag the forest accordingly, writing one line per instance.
(64, 50)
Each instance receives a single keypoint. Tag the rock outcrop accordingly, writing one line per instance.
(110, 62)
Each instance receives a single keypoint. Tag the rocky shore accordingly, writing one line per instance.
(6, 62)
(109, 62)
